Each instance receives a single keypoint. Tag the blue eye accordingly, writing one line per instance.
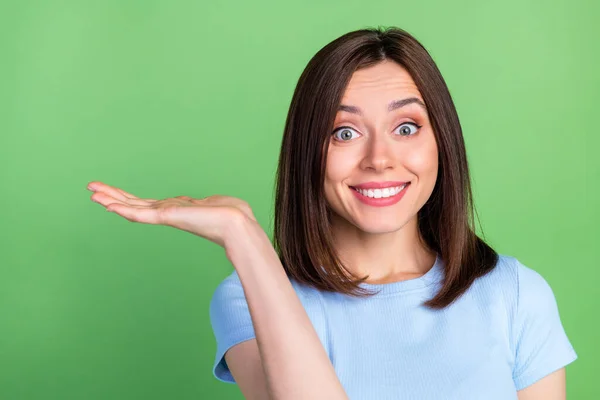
(346, 133)
(406, 131)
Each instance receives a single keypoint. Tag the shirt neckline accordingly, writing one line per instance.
(433, 275)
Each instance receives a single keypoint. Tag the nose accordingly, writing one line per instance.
(378, 154)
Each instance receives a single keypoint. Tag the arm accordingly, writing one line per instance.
(293, 359)
(295, 363)
(550, 387)
(542, 348)
(245, 366)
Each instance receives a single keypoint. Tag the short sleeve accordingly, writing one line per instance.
(231, 322)
(542, 345)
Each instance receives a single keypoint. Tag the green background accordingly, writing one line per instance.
(168, 98)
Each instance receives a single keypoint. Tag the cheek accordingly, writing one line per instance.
(339, 165)
(423, 161)
(337, 172)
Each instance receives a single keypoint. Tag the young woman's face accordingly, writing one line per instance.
(375, 141)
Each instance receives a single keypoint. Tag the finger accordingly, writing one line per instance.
(104, 193)
(111, 190)
(140, 214)
(105, 200)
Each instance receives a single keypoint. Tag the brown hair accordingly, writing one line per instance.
(302, 234)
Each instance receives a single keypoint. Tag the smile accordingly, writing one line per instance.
(381, 197)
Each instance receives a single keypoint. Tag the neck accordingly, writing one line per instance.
(384, 256)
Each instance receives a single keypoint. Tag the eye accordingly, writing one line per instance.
(345, 133)
(405, 130)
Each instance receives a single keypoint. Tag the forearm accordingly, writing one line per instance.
(295, 363)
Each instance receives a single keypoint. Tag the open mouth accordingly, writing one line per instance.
(381, 193)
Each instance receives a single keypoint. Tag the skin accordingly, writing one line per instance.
(377, 149)
(286, 346)
(382, 145)
(551, 387)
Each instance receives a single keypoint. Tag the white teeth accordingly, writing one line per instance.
(381, 193)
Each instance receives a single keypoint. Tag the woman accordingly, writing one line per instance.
(377, 286)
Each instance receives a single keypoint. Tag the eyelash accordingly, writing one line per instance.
(404, 123)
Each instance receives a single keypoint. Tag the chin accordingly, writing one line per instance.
(381, 226)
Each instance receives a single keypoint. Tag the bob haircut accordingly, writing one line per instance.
(302, 226)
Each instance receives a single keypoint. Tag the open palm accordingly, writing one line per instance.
(209, 218)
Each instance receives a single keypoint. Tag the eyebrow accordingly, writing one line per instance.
(394, 105)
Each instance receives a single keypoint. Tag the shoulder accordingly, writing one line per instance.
(232, 322)
(534, 298)
(229, 300)
(500, 283)
(523, 292)
(229, 309)
(517, 280)
(231, 288)
(538, 341)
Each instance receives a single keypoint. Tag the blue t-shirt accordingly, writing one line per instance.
(501, 336)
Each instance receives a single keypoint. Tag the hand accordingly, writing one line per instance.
(210, 218)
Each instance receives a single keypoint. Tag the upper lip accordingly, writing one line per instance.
(378, 185)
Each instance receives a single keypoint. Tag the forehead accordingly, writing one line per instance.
(386, 79)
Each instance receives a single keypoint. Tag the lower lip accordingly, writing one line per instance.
(381, 202)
